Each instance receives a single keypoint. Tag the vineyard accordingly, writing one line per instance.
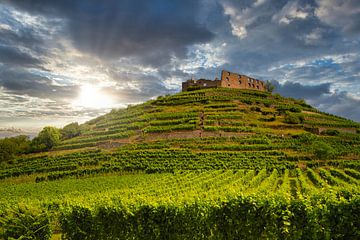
(207, 164)
(221, 204)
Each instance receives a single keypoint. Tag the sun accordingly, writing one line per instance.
(91, 96)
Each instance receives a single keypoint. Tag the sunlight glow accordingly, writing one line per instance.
(91, 97)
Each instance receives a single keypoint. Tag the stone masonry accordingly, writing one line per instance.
(228, 80)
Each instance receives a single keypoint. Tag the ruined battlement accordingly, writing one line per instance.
(228, 80)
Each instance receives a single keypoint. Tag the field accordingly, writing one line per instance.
(208, 164)
(217, 204)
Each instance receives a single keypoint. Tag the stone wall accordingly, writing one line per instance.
(228, 80)
(199, 84)
(235, 80)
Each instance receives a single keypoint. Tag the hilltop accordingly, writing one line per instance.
(216, 162)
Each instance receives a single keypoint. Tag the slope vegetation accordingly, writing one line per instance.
(207, 164)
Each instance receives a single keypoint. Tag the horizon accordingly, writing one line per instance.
(58, 66)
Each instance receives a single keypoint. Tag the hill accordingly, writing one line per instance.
(212, 163)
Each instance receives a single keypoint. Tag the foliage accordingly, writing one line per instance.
(236, 175)
(46, 139)
(71, 130)
(330, 132)
(323, 150)
(220, 204)
(291, 118)
(269, 86)
(23, 223)
(9, 147)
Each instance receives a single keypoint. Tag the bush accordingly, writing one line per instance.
(26, 224)
(330, 132)
(9, 147)
(295, 109)
(46, 139)
(252, 217)
(293, 119)
(255, 109)
(71, 130)
(323, 151)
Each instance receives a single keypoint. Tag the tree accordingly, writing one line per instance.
(269, 86)
(9, 147)
(46, 139)
(71, 130)
(7, 150)
(293, 118)
(323, 150)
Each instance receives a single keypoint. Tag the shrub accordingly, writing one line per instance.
(293, 119)
(46, 139)
(255, 109)
(323, 151)
(330, 132)
(26, 224)
(71, 130)
(295, 109)
(9, 147)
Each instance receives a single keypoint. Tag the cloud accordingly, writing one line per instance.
(339, 103)
(113, 29)
(20, 81)
(241, 15)
(292, 11)
(297, 90)
(342, 14)
(13, 55)
(320, 96)
(314, 37)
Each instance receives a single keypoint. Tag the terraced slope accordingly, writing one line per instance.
(207, 113)
(208, 164)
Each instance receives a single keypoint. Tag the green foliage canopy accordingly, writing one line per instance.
(269, 86)
(9, 147)
(46, 139)
(71, 130)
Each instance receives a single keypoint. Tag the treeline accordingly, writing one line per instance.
(47, 138)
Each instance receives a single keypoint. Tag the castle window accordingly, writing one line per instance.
(229, 85)
(240, 82)
(205, 84)
(239, 76)
(227, 79)
(253, 85)
(228, 73)
(257, 87)
(249, 84)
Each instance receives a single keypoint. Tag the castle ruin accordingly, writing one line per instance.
(228, 80)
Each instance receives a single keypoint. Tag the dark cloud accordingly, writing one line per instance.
(14, 56)
(342, 14)
(20, 81)
(114, 29)
(297, 90)
(21, 36)
(339, 102)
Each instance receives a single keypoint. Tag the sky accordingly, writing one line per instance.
(72, 60)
